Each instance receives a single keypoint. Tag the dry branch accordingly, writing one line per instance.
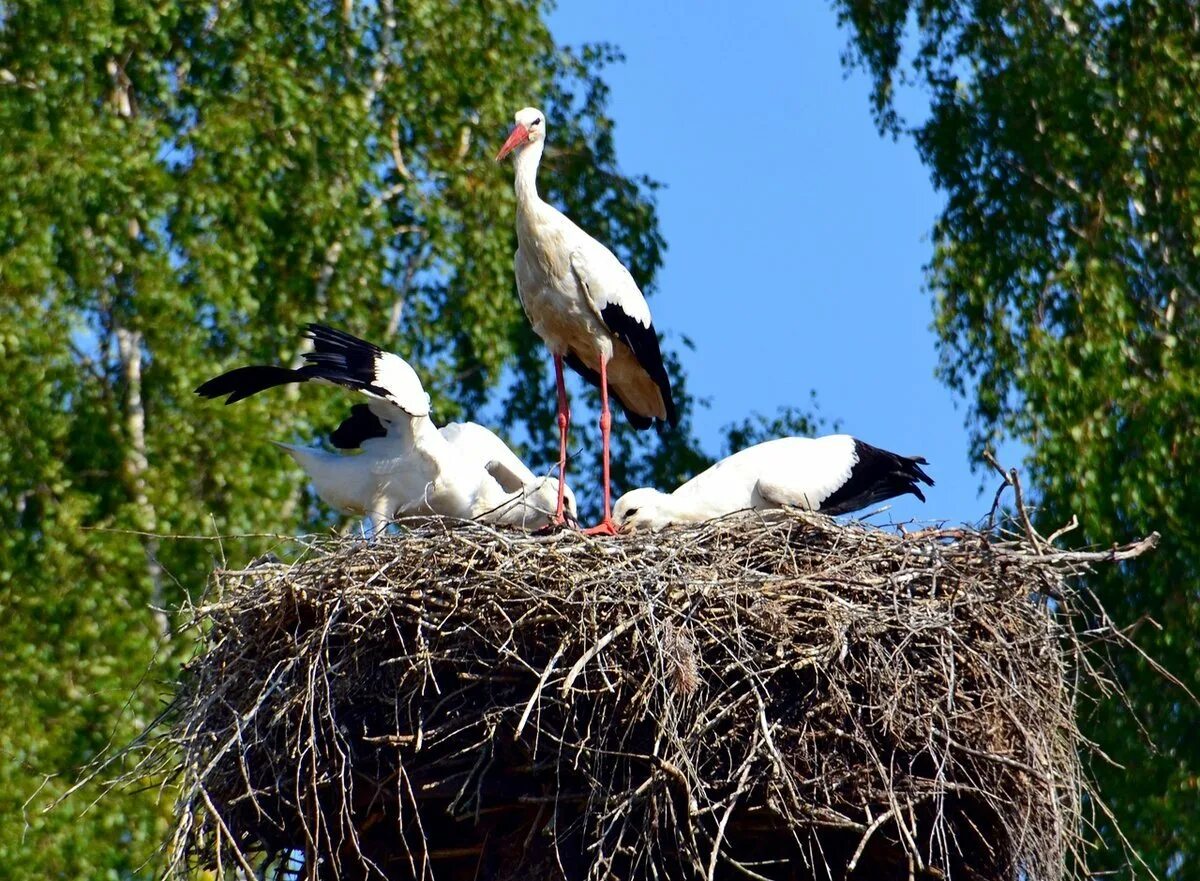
(783, 698)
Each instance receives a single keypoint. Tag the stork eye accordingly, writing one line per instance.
(631, 512)
(535, 123)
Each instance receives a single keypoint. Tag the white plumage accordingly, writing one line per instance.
(584, 304)
(835, 474)
(406, 466)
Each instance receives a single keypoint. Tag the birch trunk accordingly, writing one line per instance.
(135, 466)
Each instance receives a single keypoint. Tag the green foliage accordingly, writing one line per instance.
(1066, 139)
(184, 186)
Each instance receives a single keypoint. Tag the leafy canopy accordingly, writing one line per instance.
(1066, 138)
(185, 185)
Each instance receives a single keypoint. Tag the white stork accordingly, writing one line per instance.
(835, 474)
(585, 306)
(407, 465)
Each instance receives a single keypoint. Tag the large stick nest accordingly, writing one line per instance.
(786, 698)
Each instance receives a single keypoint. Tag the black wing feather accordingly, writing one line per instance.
(644, 344)
(361, 425)
(336, 357)
(343, 358)
(242, 382)
(877, 476)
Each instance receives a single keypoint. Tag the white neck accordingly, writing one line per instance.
(526, 164)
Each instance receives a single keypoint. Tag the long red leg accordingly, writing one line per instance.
(605, 526)
(564, 420)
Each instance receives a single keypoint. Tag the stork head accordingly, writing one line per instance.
(529, 128)
(642, 509)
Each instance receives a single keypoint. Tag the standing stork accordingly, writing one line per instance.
(585, 306)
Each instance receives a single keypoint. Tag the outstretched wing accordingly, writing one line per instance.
(242, 382)
(346, 360)
(341, 359)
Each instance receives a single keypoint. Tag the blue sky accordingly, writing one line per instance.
(796, 234)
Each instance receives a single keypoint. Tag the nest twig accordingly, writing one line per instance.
(777, 698)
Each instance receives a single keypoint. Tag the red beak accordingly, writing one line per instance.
(516, 138)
